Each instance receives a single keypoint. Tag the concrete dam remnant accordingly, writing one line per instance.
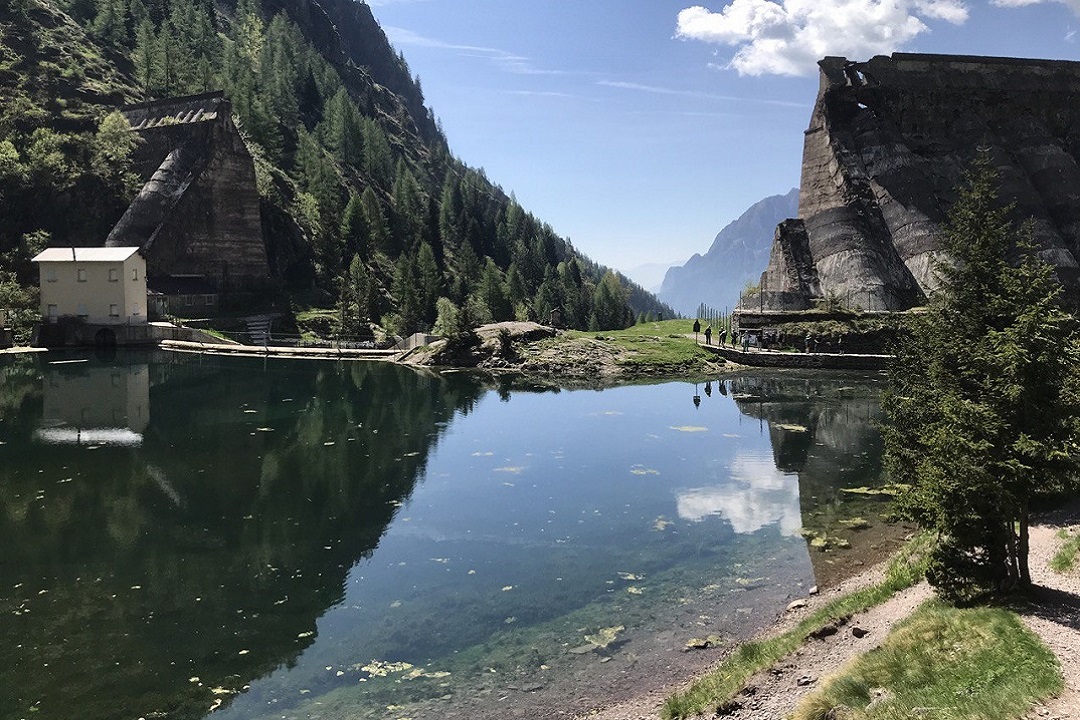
(198, 213)
(887, 148)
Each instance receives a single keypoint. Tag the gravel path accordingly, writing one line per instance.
(1056, 619)
(773, 694)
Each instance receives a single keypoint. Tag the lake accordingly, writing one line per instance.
(187, 534)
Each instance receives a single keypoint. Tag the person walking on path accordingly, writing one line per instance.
(708, 335)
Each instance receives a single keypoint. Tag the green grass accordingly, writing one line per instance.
(722, 684)
(973, 663)
(660, 327)
(1065, 558)
(663, 345)
(218, 334)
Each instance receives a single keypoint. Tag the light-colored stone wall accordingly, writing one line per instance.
(92, 289)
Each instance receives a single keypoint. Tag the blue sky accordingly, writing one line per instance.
(639, 128)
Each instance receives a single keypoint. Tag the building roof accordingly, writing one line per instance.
(85, 254)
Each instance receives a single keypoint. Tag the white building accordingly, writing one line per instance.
(97, 285)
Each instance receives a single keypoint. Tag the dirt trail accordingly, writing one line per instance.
(774, 693)
(1057, 618)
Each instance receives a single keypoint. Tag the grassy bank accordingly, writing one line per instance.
(1064, 559)
(653, 349)
(651, 344)
(974, 663)
(722, 684)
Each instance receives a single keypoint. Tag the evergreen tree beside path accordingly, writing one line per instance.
(983, 405)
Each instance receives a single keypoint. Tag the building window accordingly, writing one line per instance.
(189, 299)
(134, 273)
(50, 274)
(114, 311)
(208, 299)
(80, 274)
(135, 310)
(114, 275)
(53, 312)
(82, 312)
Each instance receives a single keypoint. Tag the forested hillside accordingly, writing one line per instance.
(364, 207)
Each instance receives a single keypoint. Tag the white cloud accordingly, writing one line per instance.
(1073, 5)
(756, 495)
(951, 11)
(788, 37)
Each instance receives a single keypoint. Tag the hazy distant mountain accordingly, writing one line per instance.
(649, 275)
(739, 254)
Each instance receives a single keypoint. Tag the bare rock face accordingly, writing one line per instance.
(888, 145)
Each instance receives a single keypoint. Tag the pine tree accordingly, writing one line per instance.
(354, 229)
(378, 158)
(280, 75)
(144, 56)
(110, 23)
(378, 229)
(450, 230)
(405, 289)
(515, 285)
(430, 281)
(409, 207)
(609, 303)
(982, 407)
(341, 130)
(360, 287)
(492, 292)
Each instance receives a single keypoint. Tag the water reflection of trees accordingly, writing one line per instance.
(162, 578)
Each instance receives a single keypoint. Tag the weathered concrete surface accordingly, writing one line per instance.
(317, 353)
(198, 213)
(79, 334)
(816, 361)
(888, 144)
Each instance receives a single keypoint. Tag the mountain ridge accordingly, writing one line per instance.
(734, 258)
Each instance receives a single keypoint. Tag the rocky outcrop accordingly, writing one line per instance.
(887, 147)
(198, 213)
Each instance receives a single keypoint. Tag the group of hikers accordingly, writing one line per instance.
(762, 340)
(720, 338)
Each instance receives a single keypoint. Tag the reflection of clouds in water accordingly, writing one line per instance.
(756, 495)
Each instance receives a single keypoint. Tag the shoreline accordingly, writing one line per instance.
(648, 705)
(777, 689)
(646, 351)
